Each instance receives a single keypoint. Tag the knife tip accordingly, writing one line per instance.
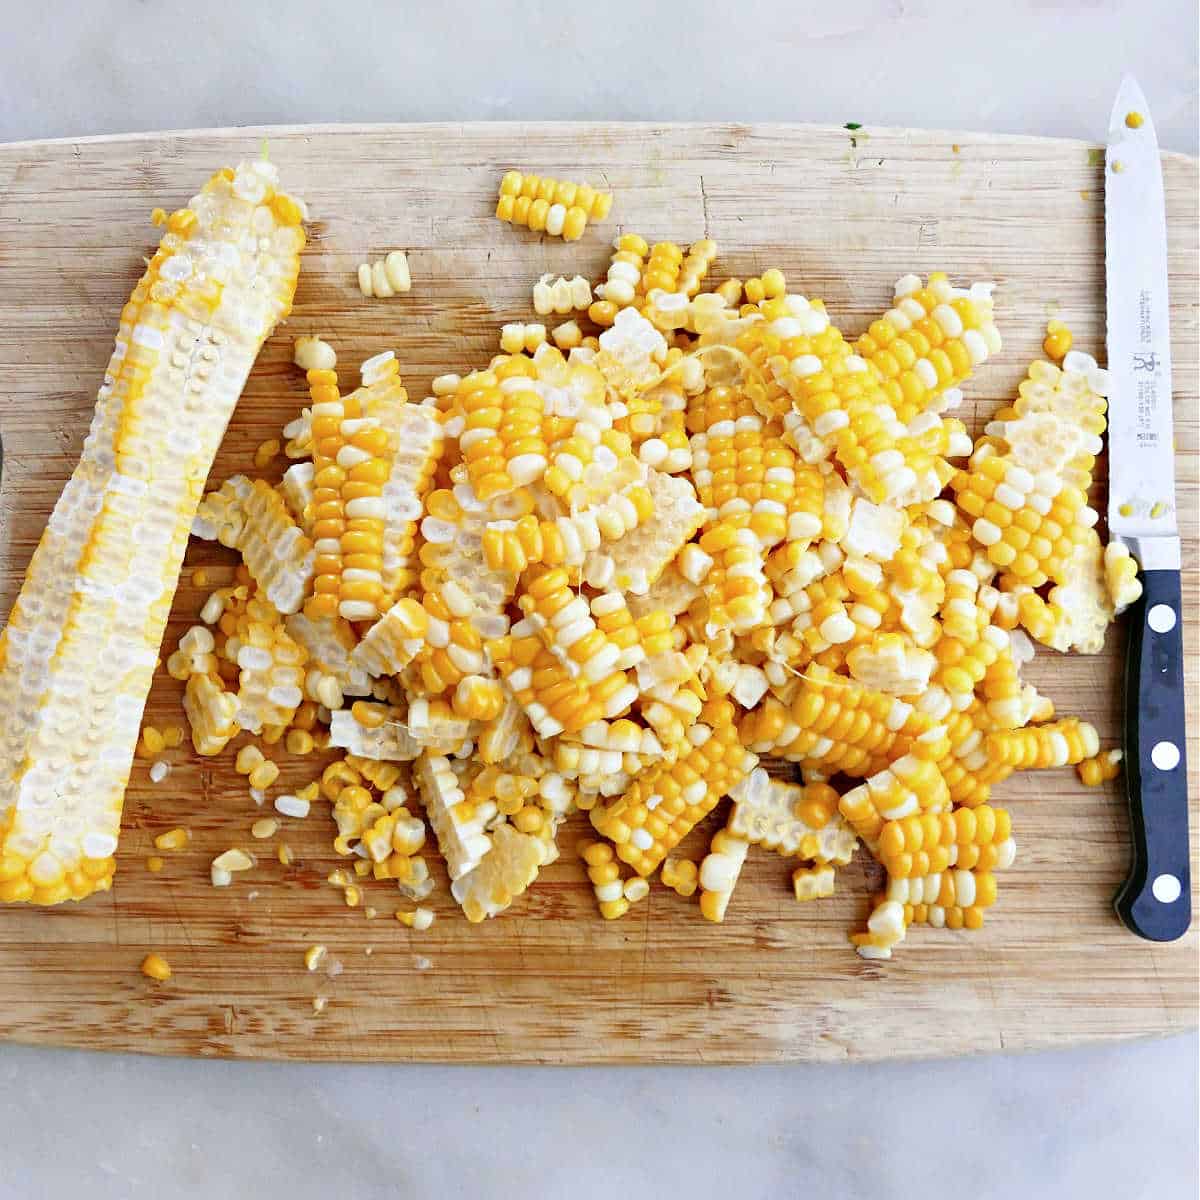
(1130, 99)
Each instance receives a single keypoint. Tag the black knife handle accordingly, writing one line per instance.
(1155, 901)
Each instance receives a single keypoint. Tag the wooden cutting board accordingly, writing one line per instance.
(844, 214)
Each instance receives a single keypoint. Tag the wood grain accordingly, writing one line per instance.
(844, 216)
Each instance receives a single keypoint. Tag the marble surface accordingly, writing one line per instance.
(1116, 1120)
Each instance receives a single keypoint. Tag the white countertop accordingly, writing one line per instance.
(1117, 1120)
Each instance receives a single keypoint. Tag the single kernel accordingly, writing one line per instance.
(154, 966)
(154, 863)
(264, 828)
(173, 839)
(285, 855)
(310, 353)
(314, 956)
(266, 452)
(264, 774)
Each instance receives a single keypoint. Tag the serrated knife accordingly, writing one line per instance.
(1155, 899)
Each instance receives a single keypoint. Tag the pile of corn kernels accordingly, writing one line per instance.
(616, 572)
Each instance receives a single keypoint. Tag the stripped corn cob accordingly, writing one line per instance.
(105, 571)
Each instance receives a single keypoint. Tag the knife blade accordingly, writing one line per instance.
(1155, 899)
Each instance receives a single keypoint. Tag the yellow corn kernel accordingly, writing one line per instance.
(155, 863)
(173, 839)
(299, 741)
(264, 774)
(154, 966)
(266, 453)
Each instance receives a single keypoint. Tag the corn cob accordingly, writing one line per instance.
(104, 572)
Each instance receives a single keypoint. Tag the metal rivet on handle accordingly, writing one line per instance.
(1165, 756)
(1161, 618)
(1166, 889)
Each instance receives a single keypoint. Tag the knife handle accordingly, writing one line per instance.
(1155, 901)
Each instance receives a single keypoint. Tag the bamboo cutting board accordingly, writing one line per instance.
(844, 214)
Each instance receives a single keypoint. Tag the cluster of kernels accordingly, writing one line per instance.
(719, 873)
(968, 772)
(696, 265)
(662, 268)
(385, 276)
(814, 883)
(365, 458)
(967, 839)
(1120, 576)
(930, 341)
(502, 442)
(604, 872)
(1100, 768)
(736, 586)
(457, 824)
(736, 469)
(555, 698)
(1028, 524)
(911, 784)
(969, 645)
(770, 285)
(453, 531)
(512, 546)
(622, 284)
(253, 519)
(418, 445)
(681, 875)
(565, 621)
(270, 668)
(634, 561)
(1058, 744)
(560, 295)
(832, 724)
(1056, 422)
(453, 648)
(842, 400)
(552, 206)
(211, 713)
(955, 900)
(793, 819)
(1057, 341)
(522, 337)
(329, 519)
(665, 803)
(504, 874)
(393, 641)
